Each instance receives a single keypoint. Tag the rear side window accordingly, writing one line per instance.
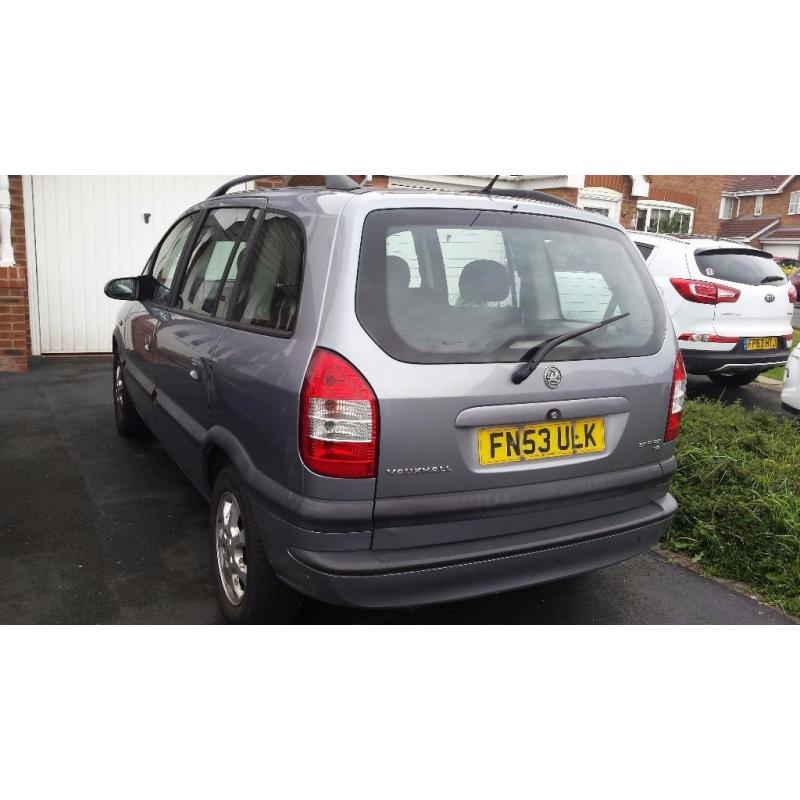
(215, 254)
(270, 290)
(168, 256)
(494, 284)
(750, 267)
(645, 249)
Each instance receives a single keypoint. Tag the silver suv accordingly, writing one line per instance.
(396, 398)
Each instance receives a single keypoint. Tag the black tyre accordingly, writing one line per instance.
(734, 379)
(129, 423)
(249, 590)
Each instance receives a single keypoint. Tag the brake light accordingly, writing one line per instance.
(704, 291)
(338, 419)
(792, 293)
(677, 400)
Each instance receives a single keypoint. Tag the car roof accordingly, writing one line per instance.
(691, 241)
(316, 200)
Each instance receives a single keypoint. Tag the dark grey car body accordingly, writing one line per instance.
(433, 525)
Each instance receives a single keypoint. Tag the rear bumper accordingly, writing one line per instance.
(387, 578)
(702, 362)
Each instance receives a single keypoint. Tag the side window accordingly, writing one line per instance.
(270, 291)
(401, 244)
(462, 246)
(168, 256)
(214, 259)
(645, 249)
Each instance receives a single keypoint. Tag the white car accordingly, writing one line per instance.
(731, 305)
(790, 394)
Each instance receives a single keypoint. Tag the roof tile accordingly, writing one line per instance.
(744, 226)
(752, 183)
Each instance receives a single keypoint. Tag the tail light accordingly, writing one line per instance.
(338, 419)
(704, 291)
(792, 293)
(677, 399)
(708, 337)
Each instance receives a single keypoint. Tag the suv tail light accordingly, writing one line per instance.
(704, 291)
(677, 399)
(792, 293)
(338, 419)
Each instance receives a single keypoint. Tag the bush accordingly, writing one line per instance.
(738, 493)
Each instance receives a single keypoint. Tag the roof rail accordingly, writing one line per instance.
(343, 183)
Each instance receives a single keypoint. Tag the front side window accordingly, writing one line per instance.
(270, 291)
(495, 284)
(794, 203)
(759, 205)
(214, 259)
(169, 254)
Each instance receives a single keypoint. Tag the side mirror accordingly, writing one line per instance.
(138, 288)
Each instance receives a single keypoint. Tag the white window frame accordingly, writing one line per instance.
(600, 197)
(794, 203)
(662, 205)
(722, 207)
(759, 205)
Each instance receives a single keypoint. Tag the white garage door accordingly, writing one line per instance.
(88, 230)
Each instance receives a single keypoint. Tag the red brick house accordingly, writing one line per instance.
(643, 202)
(63, 237)
(764, 211)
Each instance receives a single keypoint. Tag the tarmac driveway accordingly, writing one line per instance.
(96, 528)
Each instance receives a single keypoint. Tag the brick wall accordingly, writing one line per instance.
(15, 335)
(702, 192)
(277, 181)
(776, 205)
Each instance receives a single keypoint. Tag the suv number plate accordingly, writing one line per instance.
(762, 343)
(507, 445)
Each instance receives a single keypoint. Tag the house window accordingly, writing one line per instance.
(726, 208)
(794, 203)
(658, 219)
(759, 205)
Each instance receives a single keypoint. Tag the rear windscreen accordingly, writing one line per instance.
(449, 286)
(739, 266)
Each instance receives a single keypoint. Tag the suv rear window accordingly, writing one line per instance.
(486, 286)
(750, 267)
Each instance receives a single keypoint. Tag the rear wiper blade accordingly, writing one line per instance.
(773, 279)
(535, 356)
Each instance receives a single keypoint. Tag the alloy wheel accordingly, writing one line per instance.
(231, 548)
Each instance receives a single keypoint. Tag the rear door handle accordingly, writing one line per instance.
(194, 372)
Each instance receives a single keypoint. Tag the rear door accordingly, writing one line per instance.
(762, 309)
(457, 311)
(190, 330)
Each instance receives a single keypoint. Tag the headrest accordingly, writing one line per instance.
(398, 274)
(484, 281)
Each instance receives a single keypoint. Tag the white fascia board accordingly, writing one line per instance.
(763, 230)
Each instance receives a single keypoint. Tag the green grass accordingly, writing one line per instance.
(777, 372)
(738, 493)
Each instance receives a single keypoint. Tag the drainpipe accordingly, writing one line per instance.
(6, 250)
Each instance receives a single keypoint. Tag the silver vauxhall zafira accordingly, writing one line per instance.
(397, 397)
